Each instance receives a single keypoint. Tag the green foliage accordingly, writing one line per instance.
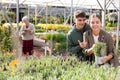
(51, 36)
(114, 24)
(6, 57)
(2, 22)
(99, 49)
(3, 75)
(56, 37)
(10, 14)
(50, 19)
(6, 43)
(63, 30)
(1, 34)
(118, 50)
(57, 68)
(59, 40)
(60, 46)
(60, 37)
(5, 39)
(37, 27)
(107, 18)
(39, 30)
(109, 24)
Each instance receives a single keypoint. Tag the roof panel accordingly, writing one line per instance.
(67, 3)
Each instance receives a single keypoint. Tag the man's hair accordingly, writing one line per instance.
(79, 13)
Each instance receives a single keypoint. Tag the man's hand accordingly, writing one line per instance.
(82, 44)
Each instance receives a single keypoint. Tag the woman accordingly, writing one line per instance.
(27, 32)
(96, 34)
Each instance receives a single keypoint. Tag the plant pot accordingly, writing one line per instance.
(98, 60)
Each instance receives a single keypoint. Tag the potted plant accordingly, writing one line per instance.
(99, 52)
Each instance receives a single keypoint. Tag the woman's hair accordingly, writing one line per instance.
(25, 18)
(114, 35)
(95, 15)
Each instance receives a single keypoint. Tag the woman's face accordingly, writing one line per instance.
(95, 24)
(26, 21)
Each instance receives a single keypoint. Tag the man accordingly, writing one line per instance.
(75, 35)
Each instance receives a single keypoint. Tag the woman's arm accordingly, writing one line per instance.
(32, 31)
(107, 58)
(87, 49)
(22, 31)
(110, 49)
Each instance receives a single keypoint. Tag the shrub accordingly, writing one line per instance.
(60, 46)
(60, 37)
(114, 24)
(6, 57)
(10, 14)
(6, 42)
(109, 24)
(51, 36)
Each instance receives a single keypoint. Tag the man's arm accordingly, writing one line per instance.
(71, 47)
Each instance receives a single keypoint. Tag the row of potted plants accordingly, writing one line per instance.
(55, 68)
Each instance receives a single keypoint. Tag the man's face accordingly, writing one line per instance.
(80, 22)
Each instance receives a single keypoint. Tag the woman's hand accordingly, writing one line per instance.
(28, 29)
(90, 50)
(23, 32)
(107, 58)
